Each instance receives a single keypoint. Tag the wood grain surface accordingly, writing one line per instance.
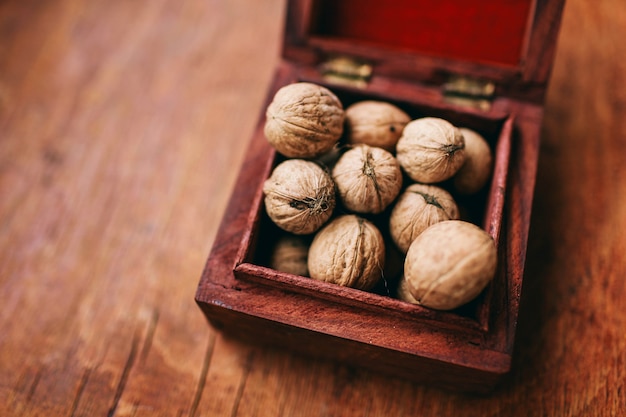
(122, 128)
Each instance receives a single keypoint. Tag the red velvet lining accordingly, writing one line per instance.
(473, 30)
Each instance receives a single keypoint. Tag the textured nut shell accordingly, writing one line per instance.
(417, 208)
(289, 254)
(403, 292)
(430, 150)
(304, 120)
(449, 264)
(476, 170)
(299, 196)
(375, 123)
(368, 179)
(348, 251)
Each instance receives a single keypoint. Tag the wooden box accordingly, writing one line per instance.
(482, 64)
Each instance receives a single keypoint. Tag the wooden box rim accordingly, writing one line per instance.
(234, 292)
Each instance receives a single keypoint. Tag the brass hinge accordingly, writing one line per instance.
(469, 92)
(346, 70)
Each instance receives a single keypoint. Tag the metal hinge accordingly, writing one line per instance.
(346, 70)
(469, 92)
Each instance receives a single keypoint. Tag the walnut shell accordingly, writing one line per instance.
(299, 196)
(368, 179)
(417, 208)
(430, 150)
(304, 120)
(375, 123)
(289, 254)
(449, 264)
(348, 251)
(403, 292)
(478, 165)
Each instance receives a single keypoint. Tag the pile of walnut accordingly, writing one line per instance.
(330, 194)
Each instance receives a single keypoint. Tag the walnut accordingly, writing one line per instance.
(375, 123)
(417, 208)
(449, 264)
(476, 170)
(304, 120)
(430, 150)
(299, 196)
(368, 179)
(403, 292)
(348, 251)
(289, 254)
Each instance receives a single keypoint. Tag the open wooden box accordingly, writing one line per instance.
(482, 64)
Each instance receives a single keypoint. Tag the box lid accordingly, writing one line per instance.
(509, 43)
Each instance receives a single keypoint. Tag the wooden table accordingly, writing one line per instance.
(122, 128)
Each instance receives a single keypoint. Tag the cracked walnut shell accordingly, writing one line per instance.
(304, 120)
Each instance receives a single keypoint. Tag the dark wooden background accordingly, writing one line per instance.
(122, 127)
